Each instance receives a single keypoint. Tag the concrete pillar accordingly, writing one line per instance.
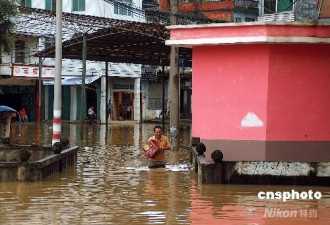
(73, 111)
(103, 100)
(137, 100)
(136, 136)
(57, 111)
(174, 99)
(46, 101)
(174, 84)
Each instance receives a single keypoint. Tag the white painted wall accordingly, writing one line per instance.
(31, 47)
(95, 8)
(98, 8)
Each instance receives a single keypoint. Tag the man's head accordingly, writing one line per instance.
(158, 131)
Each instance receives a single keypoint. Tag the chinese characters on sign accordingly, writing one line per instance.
(33, 71)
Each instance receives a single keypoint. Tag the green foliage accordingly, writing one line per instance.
(8, 12)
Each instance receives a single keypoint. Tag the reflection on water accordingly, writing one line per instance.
(111, 184)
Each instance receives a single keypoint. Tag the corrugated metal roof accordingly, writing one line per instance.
(107, 39)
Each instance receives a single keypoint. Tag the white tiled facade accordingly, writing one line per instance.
(99, 8)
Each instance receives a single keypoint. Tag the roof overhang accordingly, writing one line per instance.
(108, 39)
(246, 33)
(134, 43)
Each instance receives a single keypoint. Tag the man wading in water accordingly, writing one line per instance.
(158, 160)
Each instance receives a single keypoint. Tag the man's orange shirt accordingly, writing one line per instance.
(163, 142)
(22, 112)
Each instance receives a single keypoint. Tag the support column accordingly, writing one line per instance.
(57, 113)
(103, 100)
(137, 106)
(174, 85)
(39, 119)
(73, 111)
(106, 93)
(83, 88)
(46, 92)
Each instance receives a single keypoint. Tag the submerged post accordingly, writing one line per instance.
(58, 72)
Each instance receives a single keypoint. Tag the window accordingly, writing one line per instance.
(49, 42)
(26, 3)
(50, 5)
(78, 5)
(271, 6)
(284, 5)
(19, 51)
(122, 9)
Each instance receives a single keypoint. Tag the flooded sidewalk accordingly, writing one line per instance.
(111, 184)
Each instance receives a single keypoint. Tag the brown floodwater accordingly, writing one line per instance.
(111, 184)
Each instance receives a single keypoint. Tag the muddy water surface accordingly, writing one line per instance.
(111, 184)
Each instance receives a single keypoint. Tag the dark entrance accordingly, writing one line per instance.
(91, 96)
(121, 100)
(11, 100)
(18, 97)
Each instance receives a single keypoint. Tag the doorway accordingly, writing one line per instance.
(121, 101)
(91, 97)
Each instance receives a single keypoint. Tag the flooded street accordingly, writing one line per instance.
(111, 184)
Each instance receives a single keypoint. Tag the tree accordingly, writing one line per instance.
(8, 11)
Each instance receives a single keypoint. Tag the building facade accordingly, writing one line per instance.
(269, 89)
(119, 75)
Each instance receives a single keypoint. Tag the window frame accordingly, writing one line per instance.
(49, 42)
(122, 11)
(50, 5)
(26, 3)
(276, 7)
(19, 48)
(78, 5)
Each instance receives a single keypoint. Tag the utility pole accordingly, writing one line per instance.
(57, 112)
(174, 84)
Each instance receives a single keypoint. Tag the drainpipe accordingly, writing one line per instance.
(58, 73)
(174, 84)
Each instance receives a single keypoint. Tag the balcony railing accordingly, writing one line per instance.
(281, 17)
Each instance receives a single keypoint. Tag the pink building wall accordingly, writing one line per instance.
(299, 93)
(260, 91)
(228, 83)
